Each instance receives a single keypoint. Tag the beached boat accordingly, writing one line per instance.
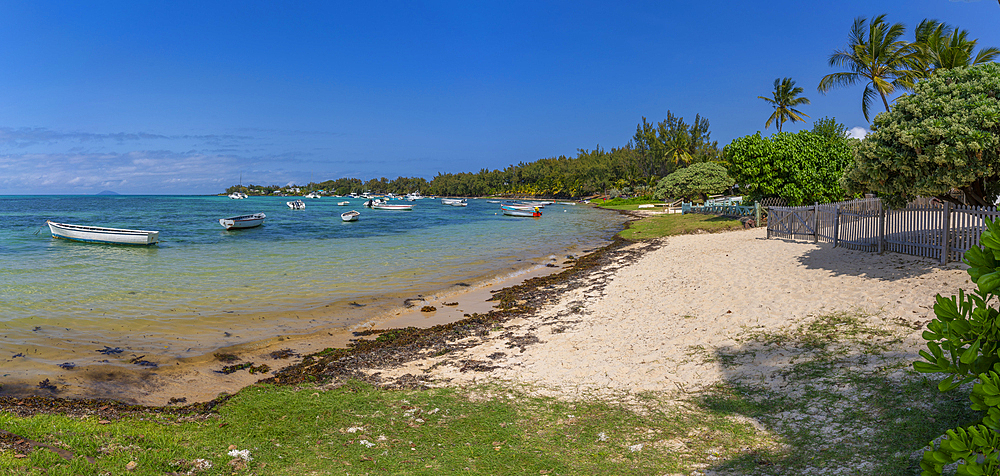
(350, 216)
(243, 221)
(343, 204)
(296, 204)
(514, 212)
(97, 234)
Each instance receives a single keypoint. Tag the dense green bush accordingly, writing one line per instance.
(697, 180)
(945, 135)
(964, 343)
(801, 168)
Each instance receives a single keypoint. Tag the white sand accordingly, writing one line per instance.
(649, 325)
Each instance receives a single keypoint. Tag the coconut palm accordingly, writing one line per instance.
(876, 55)
(942, 47)
(784, 103)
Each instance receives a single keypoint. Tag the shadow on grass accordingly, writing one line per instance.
(834, 396)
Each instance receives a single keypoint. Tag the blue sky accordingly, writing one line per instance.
(184, 97)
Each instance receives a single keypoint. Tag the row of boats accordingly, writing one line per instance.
(123, 236)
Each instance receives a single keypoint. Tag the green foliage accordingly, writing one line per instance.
(784, 101)
(964, 342)
(698, 180)
(801, 168)
(829, 127)
(941, 46)
(875, 55)
(945, 135)
(671, 143)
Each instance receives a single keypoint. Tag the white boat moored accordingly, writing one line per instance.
(343, 204)
(296, 204)
(97, 234)
(243, 221)
(350, 216)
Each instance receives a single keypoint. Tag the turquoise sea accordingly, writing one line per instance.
(203, 288)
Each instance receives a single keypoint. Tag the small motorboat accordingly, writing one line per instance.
(516, 212)
(519, 206)
(493, 201)
(350, 216)
(97, 234)
(455, 202)
(296, 204)
(343, 204)
(237, 195)
(243, 221)
(313, 195)
(386, 206)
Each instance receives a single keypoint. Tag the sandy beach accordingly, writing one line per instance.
(653, 315)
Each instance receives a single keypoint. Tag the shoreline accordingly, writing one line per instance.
(198, 380)
(628, 318)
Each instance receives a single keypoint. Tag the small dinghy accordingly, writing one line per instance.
(516, 212)
(97, 234)
(350, 216)
(296, 205)
(343, 204)
(243, 221)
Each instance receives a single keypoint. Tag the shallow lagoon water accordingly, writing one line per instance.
(204, 288)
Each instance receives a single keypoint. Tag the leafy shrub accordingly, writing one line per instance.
(698, 180)
(964, 342)
(801, 168)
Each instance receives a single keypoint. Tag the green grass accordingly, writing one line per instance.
(676, 224)
(842, 403)
(358, 429)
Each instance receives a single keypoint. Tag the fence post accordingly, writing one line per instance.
(836, 224)
(756, 213)
(815, 222)
(946, 236)
(881, 227)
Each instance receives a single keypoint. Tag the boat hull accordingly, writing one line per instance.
(393, 207)
(243, 221)
(350, 216)
(516, 212)
(96, 234)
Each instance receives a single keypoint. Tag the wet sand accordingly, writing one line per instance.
(194, 380)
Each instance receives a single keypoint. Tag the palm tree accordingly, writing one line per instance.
(943, 47)
(784, 103)
(876, 55)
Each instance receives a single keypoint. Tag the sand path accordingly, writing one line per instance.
(648, 324)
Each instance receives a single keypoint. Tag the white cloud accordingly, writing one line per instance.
(858, 132)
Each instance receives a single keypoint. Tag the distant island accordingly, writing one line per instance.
(108, 192)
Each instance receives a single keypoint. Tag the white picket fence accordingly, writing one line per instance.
(943, 231)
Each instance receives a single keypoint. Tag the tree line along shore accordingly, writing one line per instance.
(938, 136)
